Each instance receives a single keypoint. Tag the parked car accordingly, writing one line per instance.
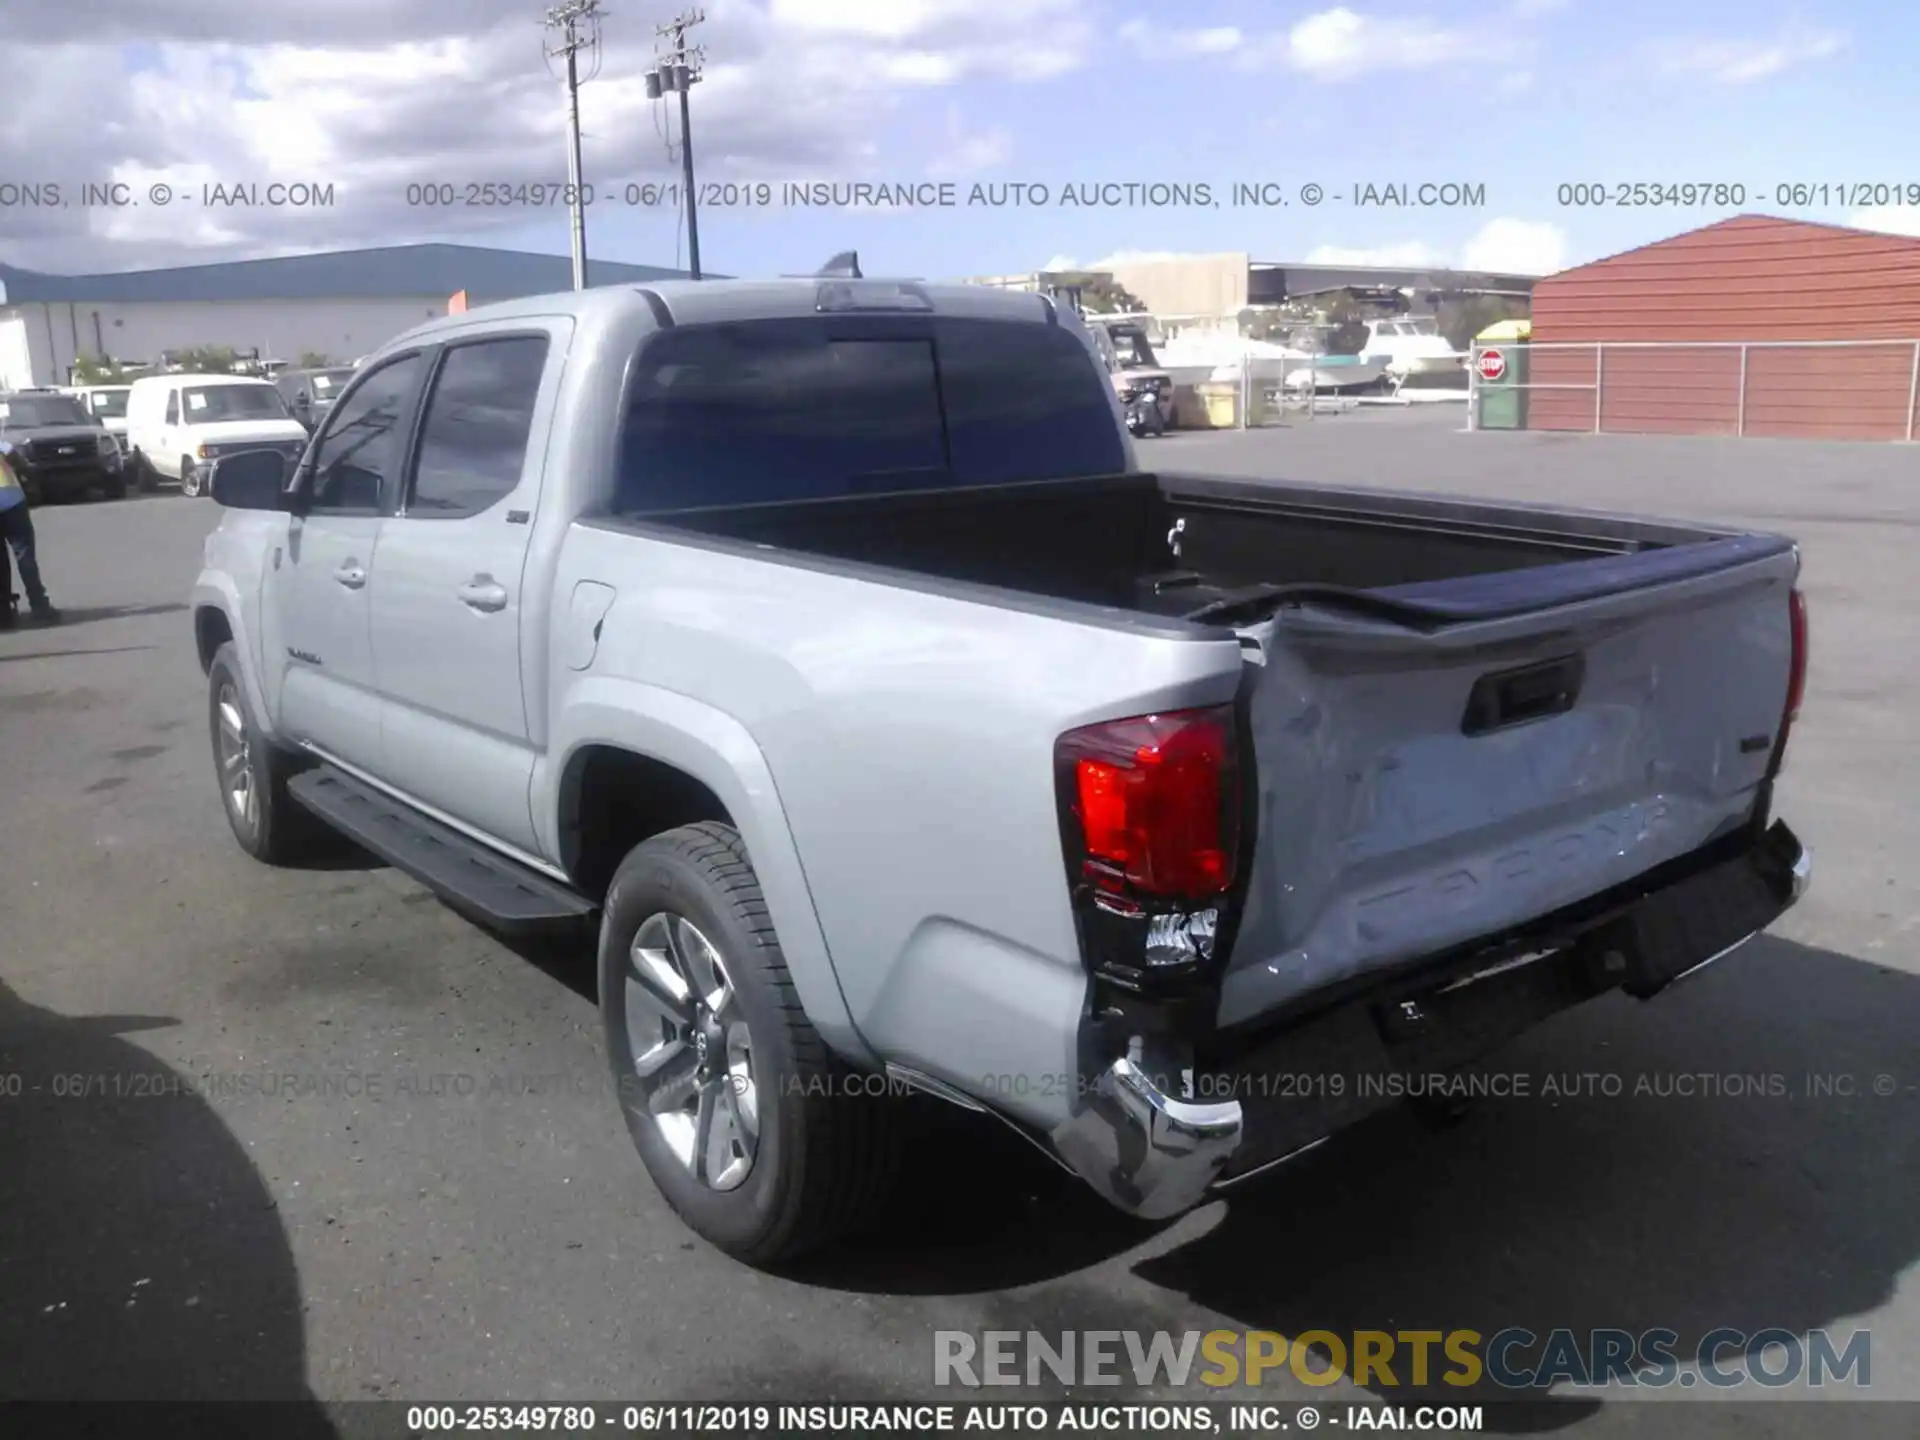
(178, 423)
(822, 642)
(310, 393)
(59, 449)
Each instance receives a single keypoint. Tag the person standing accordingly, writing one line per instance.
(16, 529)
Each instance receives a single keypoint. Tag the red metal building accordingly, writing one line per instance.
(1755, 279)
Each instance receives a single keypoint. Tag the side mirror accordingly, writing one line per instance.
(251, 480)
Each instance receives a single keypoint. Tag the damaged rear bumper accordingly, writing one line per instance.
(1154, 1154)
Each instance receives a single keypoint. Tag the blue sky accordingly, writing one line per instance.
(1514, 97)
(1519, 99)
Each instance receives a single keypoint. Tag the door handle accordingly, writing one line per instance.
(351, 575)
(483, 593)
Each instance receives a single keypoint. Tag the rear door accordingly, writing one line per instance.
(449, 615)
(1419, 790)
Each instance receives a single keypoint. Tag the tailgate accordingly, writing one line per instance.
(1532, 738)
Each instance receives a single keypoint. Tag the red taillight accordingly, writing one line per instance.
(1796, 677)
(1156, 799)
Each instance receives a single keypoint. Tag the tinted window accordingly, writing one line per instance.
(23, 410)
(474, 439)
(109, 404)
(789, 410)
(365, 442)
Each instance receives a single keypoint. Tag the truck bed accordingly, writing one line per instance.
(1222, 550)
(1464, 715)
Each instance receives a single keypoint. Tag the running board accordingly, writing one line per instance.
(497, 891)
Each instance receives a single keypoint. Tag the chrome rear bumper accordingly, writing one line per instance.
(1151, 1155)
(1155, 1156)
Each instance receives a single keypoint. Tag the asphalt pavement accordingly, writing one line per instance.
(308, 1134)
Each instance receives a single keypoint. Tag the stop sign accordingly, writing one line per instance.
(1492, 364)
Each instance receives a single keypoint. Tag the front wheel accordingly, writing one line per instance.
(189, 478)
(270, 824)
(114, 487)
(754, 1133)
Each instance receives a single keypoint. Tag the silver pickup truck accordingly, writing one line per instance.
(822, 642)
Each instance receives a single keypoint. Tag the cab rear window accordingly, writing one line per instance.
(758, 411)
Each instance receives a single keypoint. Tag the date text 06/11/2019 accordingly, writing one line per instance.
(1734, 195)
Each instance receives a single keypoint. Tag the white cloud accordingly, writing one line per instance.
(1134, 257)
(1506, 246)
(1154, 42)
(965, 152)
(1521, 247)
(1340, 44)
(456, 91)
(1410, 254)
(1741, 62)
(1887, 219)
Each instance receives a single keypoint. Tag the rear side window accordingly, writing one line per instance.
(473, 441)
(759, 411)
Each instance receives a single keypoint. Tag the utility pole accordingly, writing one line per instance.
(578, 22)
(678, 68)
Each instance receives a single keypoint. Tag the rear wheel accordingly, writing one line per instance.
(754, 1133)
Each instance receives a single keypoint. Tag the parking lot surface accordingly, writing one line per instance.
(306, 1133)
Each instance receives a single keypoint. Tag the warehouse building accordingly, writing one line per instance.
(1753, 326)
(1227, 283)
(340, 304)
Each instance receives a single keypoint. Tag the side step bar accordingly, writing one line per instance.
(466, 874)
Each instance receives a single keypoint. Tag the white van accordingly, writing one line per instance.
(177, 423)
(108, 405)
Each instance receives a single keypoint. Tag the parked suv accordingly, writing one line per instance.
(177, 424)
(60, 450)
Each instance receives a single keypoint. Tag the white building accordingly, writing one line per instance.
(339, 304)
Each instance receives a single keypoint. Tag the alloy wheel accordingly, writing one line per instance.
(691, 1052)
(236, 759)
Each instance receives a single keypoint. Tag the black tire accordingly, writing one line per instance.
(189, 477)
(278, 830)
(114, 487)
(827, 1150)
(145, 477)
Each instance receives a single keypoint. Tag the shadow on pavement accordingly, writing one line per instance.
(1747, 1208)
(71, 616)
(70, 654)
(141, 1256)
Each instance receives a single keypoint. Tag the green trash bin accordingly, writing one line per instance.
(1502, 398)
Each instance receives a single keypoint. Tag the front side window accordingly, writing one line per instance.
(363, 448)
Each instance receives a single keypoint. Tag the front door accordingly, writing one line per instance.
(322, 585)
(449, 614)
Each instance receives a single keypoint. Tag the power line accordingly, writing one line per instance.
(677, 68)
(578, 22)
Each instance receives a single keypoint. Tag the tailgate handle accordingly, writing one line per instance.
(1531, 692)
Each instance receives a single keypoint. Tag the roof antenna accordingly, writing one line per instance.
(844, 266)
